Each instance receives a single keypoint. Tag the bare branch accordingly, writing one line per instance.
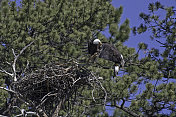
(93, 95)
(41, 113)
(76, 81)
(23, 112)
(25, 115)
(104, 92)
(16, 57)
(54, 79)
(164, 45)
(4, 71)
(100, 84)
(9, 90)
(19, 96)
(8, 63)
(48, 95)
(13, 53)
(13, 75)
(3, 116)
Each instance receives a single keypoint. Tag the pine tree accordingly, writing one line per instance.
(37, 33)
(158, 99)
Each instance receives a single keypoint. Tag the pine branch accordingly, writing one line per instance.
(164, 45)
(126, 110)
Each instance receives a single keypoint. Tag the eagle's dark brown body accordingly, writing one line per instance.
(105, 51)
(109, 52)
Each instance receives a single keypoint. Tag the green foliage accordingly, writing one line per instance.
(118, 33)
(159, 66)
(60, 28)
(3, 95)
(119, 113)
(142, 46)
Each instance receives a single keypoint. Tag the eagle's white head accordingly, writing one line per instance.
(97, 42)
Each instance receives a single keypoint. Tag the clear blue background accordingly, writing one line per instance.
(131, 10)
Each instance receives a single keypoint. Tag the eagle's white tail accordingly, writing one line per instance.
(116, 70)
(122, 61)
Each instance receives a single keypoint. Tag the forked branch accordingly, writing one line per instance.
(13, 74)
(16, 57)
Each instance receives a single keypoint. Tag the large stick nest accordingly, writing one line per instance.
(53, 83)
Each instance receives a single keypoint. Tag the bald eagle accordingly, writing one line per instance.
(107, 52)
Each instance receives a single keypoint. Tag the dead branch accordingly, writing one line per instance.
(8, 90)
(23, 112)
(3, 116)
(50, 87)
(13, 74)
(15, 59)
(96, 79)
(4, 71)
(18, 95)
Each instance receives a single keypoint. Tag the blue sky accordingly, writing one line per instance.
(131, 10)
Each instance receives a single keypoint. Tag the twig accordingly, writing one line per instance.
(101, 87)
(76, 81)
(23, 112)
(3, 116)
(25, 115)
(8, 63)
(48, 95)
(41, 113)
(19, 96)
(104, 92)
(4, 71)
(93, 95)
(164, 45)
